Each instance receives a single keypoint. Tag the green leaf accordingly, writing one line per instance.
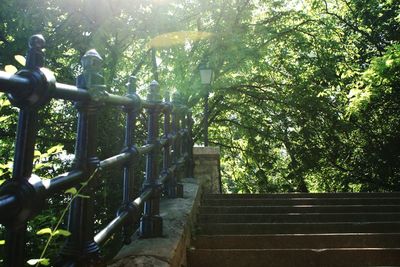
(2, 242)
(39, 166)
(43, 261)
(20, 59)
(62, 232)
(4, 118)
(4, 103)
(71, 191)
(44, 231)
(9, 166)
(83, 196)
(55, 149)
(10, 69)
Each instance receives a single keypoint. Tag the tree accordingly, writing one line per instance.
(305, 95)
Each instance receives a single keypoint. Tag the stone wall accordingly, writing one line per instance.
(207, 168)
(178, 215)
(169, 250)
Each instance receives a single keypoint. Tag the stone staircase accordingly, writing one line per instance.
(321, 229)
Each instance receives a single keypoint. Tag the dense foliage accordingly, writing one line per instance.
(306, 93)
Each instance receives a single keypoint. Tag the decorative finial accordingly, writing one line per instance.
(92, 61)
(37, 41)
(154, 93)
(131, 85)
(91, 78)
(35, 55)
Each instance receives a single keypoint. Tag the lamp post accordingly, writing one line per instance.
(206, 77)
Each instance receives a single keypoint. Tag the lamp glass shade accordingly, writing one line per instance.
(205, 76)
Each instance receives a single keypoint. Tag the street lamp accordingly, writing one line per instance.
(206, 74)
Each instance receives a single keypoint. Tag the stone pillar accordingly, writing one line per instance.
(207, 168)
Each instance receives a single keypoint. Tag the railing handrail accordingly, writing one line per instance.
(31, 89)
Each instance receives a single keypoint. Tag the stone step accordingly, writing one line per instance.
(318, 229)
(204, 209)
(297, 228)
(299, 217)
(292, 241)
(301, 201)
(306, 195)
(294, 257)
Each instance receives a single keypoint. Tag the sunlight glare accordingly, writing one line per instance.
(177, 38)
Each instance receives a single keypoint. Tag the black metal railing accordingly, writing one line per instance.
(21, 197)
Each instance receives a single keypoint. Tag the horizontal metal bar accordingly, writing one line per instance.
(101, 237)
(123, 157)
(149, 104)
(163, 106)
(70, 92)
(118, 221)
(117, 100)
(10, 83)
(163, 141)
(143, 197)
(47, 187)
(145, 149)
(44, 188)
(165, 175)
(8, 205)
(115, 160)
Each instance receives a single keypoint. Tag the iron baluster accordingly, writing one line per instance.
(80, 248)
(167, 147)
(190, 168)
(176, 117)
(151, 222)
(29, 101)
(184, 141)
(206, 115)
(128, 179)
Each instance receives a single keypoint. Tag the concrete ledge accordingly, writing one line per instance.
(207, 168)
(170, 250)
(206, 152)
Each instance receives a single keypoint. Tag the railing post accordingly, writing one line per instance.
(206, 115)
(23, 158)
(184, 141)
(189, 148)
(170, 190)
(176, 146)
(80, 248)
(151, 222)
(128, 180)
